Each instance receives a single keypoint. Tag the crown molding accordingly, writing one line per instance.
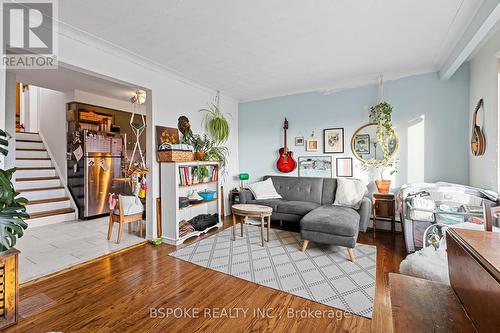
(95, 42)
(347, 84)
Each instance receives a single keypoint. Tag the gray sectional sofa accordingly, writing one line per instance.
(309, 201)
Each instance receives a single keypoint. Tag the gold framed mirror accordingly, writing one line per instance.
(366, 148)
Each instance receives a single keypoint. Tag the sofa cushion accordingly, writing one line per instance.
(273, 203)
(298, 188)
(330, 219)
(350, 192)
(329, 190)
(264, 190)
(296, 207)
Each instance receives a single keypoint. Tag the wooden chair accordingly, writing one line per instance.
(122, 219)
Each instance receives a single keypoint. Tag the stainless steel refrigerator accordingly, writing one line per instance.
(91, 181)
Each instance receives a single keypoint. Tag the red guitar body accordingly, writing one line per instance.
(285, 163)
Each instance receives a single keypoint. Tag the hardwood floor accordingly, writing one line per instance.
(116, 293)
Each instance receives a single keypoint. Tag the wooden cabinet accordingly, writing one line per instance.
(468, 304)
(384, 208)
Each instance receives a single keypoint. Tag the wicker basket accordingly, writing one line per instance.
(175, 156)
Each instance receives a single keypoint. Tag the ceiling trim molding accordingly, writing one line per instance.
(108, 47)
(484, 22)
(347, 84)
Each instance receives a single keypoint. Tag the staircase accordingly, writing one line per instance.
(37, 180)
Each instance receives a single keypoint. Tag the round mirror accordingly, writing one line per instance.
(366, 146)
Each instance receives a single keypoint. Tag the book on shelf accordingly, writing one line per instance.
(188, 176)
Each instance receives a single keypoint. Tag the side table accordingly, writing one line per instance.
(384, 209)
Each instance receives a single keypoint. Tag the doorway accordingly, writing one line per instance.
(59, 235)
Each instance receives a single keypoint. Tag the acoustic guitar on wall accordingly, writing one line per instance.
(285, 163)
(478, 140)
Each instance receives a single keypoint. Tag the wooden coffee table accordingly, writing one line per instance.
(244, 211)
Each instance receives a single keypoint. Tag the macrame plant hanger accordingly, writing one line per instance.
(138, 128)
(381, 88)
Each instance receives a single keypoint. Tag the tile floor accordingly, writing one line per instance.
(54, 247)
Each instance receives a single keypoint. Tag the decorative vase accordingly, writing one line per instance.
(383, 186)
(199, 155)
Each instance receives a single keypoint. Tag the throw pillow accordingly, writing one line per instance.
(264, 190)
(349, 193)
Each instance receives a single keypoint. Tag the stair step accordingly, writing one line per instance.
(31, 132)
(41, 201)
(31, 145)
(51, 213)
(31, 154)
(35, 178)
(33, 163)
(51, 219)
(43, 193)
(44, 205)
(27, 140)
(27, 136)
(32, 158)
(31, 149)
(36, 168)
(31, 184)
(35, 173)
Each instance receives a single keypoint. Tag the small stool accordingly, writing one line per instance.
(244, 211)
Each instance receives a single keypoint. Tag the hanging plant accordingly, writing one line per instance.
(215, 122)
(381, 114)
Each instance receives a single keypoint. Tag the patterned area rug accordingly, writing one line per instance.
(322, 273)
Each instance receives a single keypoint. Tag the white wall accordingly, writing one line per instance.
(171, 97)
(483, 170)
(10, 119)
(104, 101)
(52, 124)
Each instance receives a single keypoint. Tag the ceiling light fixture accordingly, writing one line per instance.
(139, 97)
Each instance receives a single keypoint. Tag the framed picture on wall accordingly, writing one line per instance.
(299, 140)
(168, 135)
(315, 166)
(362, 144)
(333, 140)
(344, 167)
(312, 145)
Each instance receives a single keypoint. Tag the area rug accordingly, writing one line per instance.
(322, 273)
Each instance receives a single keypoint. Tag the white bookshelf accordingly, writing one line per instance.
(172, 189)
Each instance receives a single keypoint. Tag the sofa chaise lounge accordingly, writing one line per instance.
(309, 201)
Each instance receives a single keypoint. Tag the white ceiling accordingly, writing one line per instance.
(65, 80)
(263, 48)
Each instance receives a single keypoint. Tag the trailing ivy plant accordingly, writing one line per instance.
(381, 114)
(12, 207)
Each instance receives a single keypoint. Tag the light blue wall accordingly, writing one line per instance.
(444, 104)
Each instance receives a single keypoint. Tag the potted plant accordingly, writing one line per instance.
(12, 226)
(384, 185)
(201, 146)
(201, 173)
(216, 125)
(381, 115)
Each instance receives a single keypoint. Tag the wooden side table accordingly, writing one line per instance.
(234, 197)
(384, 208)
(244, 211)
